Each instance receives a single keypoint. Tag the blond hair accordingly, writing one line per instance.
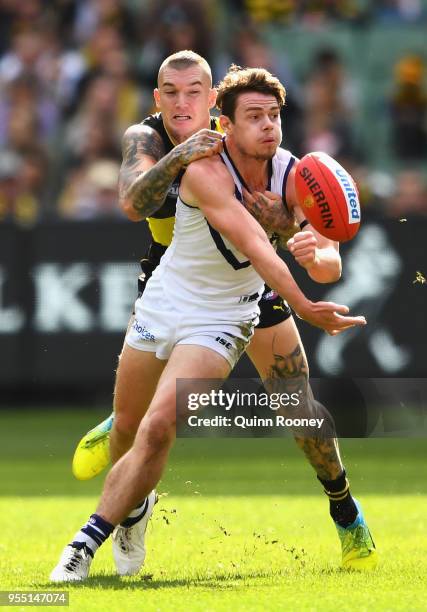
(184, 59)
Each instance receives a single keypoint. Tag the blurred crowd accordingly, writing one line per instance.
(74, 74)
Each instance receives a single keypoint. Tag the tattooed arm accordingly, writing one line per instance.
(142, 149)
(270, 212)
(147, 173)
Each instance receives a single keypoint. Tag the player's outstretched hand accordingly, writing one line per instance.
(203, 143)
(332, 318)
(303, 246)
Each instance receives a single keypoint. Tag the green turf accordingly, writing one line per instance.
(244, 525)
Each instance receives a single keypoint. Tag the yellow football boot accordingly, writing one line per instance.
(92, 454)
(358, 548)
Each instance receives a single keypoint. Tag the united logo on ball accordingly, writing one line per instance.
(329, 196)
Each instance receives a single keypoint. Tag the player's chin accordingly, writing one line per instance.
(267, 150)
(184, 127)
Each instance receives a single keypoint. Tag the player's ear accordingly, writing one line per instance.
(156, 94)
(226, 124)
(212, 97)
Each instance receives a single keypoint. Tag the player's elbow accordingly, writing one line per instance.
(128, 208)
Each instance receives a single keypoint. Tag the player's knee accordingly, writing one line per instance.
(159, 429)
(126, 425)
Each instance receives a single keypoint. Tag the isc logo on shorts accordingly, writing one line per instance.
(224, 342)
(143, 332)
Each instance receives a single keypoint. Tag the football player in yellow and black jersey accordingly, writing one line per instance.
(161, 222)
(155, 155)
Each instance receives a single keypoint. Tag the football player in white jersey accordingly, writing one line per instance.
(168, 344)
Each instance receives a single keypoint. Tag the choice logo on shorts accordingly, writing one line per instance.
(143, 332)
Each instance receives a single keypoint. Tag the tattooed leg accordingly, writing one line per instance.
(279, 357)
(323, 455)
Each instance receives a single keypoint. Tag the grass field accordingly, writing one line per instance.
(241, 525)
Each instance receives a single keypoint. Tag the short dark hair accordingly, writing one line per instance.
(239, 80)
(184, 59)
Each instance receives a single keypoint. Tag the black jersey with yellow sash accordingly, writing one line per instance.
(162, 222)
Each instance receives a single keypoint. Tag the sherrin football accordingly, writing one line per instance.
(328, 196)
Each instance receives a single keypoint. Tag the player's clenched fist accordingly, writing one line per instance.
(203, 143)
(303, 246)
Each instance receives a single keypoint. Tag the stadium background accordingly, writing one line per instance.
(73, 75)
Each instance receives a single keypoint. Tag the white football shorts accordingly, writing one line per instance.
(159, 325)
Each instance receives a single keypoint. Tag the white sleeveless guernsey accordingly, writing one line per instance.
(201, 270)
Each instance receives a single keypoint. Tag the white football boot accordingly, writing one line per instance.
(128, 542)
(73, 565)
